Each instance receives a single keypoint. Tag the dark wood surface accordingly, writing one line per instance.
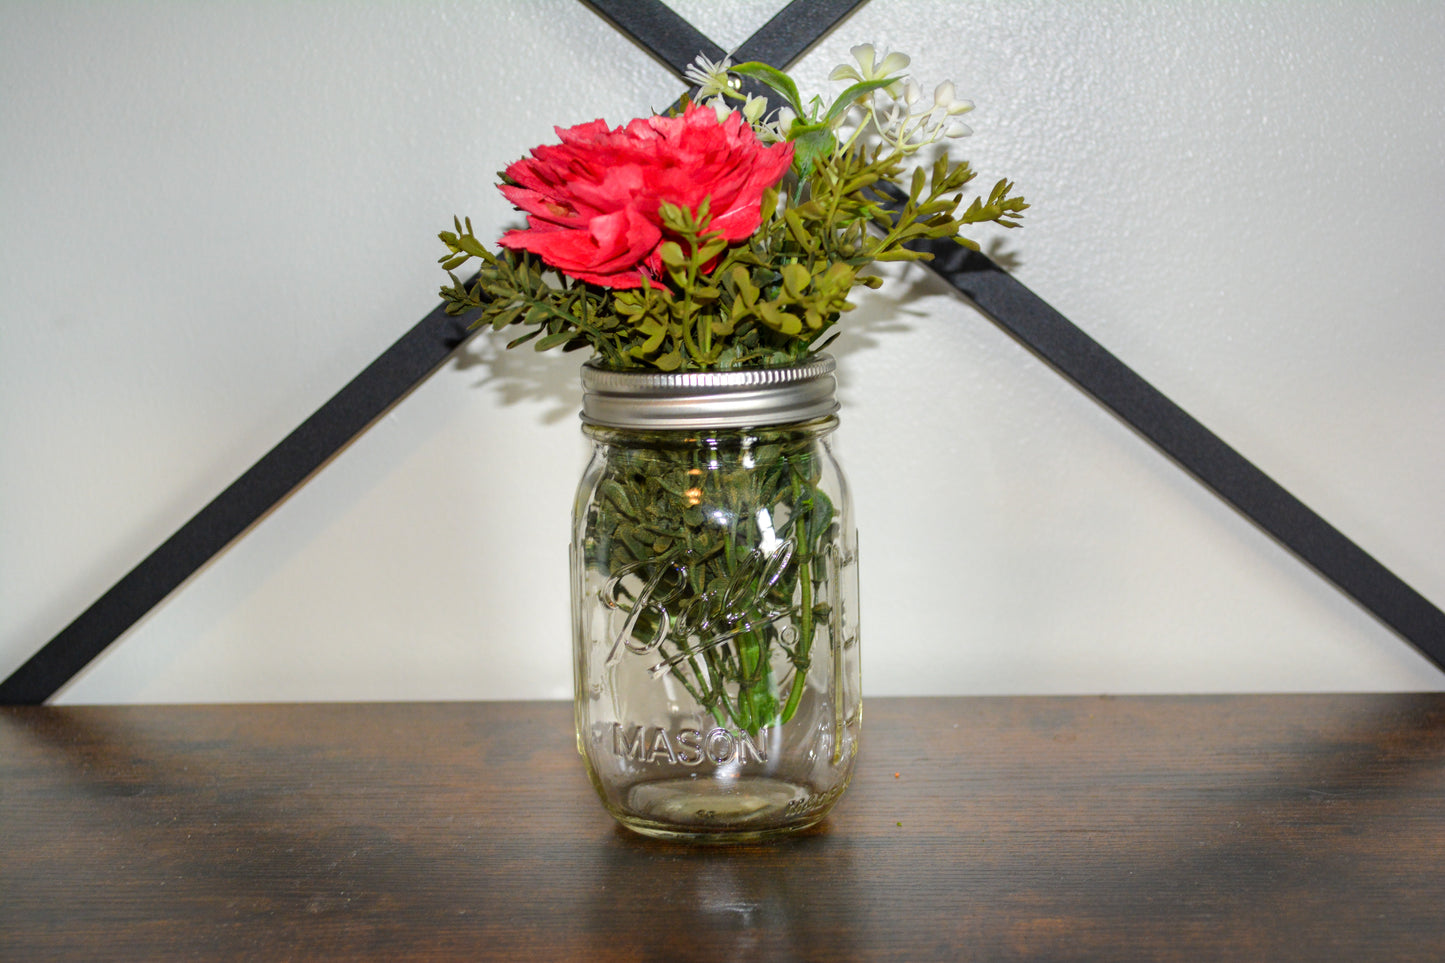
(1183, 828)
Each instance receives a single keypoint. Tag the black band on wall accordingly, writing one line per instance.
(657, 29)
(793, 30)
(1017, 310)
(1057, 340)
(676, 43)
(347, 414)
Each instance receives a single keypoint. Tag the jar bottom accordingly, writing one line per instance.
(740, 810)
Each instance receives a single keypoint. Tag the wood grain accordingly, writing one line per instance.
(1178, 828)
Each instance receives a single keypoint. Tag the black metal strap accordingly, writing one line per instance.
(280, 471)
(1016, 309)
(657, 29)
(794, 30)
(1081, 359)
(676, 43)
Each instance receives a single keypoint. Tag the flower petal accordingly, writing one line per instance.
(592, 201)
(863, 53)
(892, 64)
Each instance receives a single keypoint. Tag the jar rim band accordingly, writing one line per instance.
(740, 398)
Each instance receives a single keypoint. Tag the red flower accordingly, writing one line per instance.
(592, 200)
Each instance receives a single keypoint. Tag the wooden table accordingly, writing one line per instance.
(1188, 828)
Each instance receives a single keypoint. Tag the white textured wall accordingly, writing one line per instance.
(213, 215)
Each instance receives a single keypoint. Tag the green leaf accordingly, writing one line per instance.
(517, 342)
(902, 254)
(553, 340)
(617, 495)
(506, 317)
(674, 218)
(769, 205)
(775, 79)
(473, 247)
(820, 515)
(799, 232)
(711, 250)
(846, 98)
(811, 143)
(747, 290)
(795, 279)
(777, 319)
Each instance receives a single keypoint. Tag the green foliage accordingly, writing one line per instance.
(772, 299)
(655, 522)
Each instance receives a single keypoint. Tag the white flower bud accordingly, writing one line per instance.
(720, 107)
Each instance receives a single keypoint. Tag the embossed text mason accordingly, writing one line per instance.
(715, 601)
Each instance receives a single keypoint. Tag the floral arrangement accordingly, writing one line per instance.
(730, 232)
(727, 234)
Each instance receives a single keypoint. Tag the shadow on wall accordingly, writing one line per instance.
(524, 375)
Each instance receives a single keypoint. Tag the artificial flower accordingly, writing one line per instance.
(729, 233)
(710, 78)
(864, 53)
(592, 201)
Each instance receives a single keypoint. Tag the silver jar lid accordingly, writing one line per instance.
(747, 398)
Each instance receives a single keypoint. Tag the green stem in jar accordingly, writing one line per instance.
(740, 545)
(801, 659)
(757, 692)
(703, 694)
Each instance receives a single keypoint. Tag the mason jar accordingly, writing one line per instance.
(715, 601)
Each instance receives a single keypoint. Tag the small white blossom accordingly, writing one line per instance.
(711, 79)
(777, 129)
(945, 99)
(909, 124)
(752, 111)
(868, 67)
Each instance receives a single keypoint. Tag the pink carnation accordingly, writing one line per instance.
(592, 201)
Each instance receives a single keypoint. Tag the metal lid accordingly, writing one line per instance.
(747, 398)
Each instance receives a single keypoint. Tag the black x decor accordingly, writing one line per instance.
(1014, 308)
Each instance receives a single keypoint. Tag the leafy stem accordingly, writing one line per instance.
(715, 564)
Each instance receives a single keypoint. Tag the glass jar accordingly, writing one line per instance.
(715, 601)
